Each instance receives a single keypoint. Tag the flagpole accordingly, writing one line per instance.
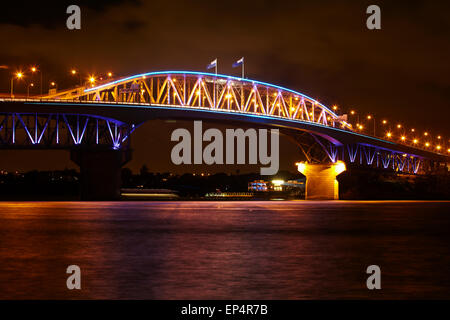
(215, 86)
(243, 68)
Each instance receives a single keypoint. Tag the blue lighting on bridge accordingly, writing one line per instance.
(215, 111)
(228, 77)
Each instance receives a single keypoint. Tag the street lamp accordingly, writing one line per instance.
(34, 70)
(54, 85)
(74, 72)
(369, 117)
(28, 88)
(353, 112)
(92, 80)
(19, 76)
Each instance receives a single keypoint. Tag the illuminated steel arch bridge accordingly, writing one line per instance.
(106, 114)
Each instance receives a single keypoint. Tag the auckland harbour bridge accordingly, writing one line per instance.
(96, 122)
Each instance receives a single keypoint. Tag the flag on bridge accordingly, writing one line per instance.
(213, 64)
(238, 63)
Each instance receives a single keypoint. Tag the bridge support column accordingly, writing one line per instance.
(321, 183)
(100, 172)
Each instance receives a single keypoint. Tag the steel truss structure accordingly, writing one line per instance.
(319, 150)
(380, 158)
(196, 90)
(204, 90)
(57, 130)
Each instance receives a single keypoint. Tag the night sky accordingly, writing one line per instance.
(320, 48)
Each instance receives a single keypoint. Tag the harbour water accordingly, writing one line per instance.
(225, 250)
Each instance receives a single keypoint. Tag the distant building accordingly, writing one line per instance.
(258, 185)
(276, 185)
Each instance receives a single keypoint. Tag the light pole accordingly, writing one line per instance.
(18, 75)
(33, 70)
(53, 85)
(74, 72)
(353, 112)
(369, 117)
(28, 89)
(92, 80)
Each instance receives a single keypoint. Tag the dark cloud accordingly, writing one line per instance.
(50, 14)
(133, 25)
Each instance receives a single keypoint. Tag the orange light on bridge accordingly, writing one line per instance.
(369, 117)
(33, 69)
(448, 150)
(427, 144)
(415, 141)
(91, 79)
(399, 126)
(384, 121)
(335, 107)
(439, 137)
(403, 138)
(73, 71)
(110, 74)
(425, 133)
(389, 134)
(438, 147)
(19, 75)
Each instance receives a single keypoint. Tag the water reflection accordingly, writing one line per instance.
(223, 250)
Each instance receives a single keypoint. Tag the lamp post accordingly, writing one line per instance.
(18, 75)
(34, 70)
(28, 88)
(92, 80)
(353, 112)
(53, 85)
(74, 72)
(369, 117)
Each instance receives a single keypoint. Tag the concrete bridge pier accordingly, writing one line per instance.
(100, 172)
(321, 183)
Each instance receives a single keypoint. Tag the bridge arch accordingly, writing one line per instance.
(200, 90)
